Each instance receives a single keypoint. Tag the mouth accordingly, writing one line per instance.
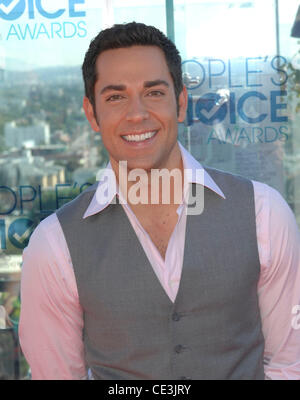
(141, 137)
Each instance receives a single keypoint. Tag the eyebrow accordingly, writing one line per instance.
(147, 84)
(113, 87)
(157, 82)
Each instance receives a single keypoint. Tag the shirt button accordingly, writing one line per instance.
(178, 349)
(176, 316)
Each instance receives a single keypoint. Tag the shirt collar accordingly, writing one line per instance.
(197, 174)
(106, 193)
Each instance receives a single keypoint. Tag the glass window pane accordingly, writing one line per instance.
(238, 61)
(48, 152)
(148, 12)
(241, 65)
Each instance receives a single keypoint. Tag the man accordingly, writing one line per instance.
(117, 288)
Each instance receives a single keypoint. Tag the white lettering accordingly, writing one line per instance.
(296, 319)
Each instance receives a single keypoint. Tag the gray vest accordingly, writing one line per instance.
(132, 330)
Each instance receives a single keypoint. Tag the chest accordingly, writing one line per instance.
(160, 228)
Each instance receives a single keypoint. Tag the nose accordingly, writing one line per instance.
(136, 110)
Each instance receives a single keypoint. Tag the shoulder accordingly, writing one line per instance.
(47, 256)
(224, 175)
(78, 205)
(46, 228)
(272, 208)
(49, 229)
(232, 185)
(45, 245)
(46, 238)
(270, 199)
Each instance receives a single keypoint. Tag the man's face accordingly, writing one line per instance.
(135, 108)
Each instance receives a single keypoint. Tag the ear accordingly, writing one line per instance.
(182, 102)
(90, 115)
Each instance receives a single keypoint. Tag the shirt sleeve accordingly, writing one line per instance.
(51, 321)
(279, 284)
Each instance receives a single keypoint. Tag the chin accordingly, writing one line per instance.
(136, 164)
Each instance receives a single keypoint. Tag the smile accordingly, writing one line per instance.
(139, 138)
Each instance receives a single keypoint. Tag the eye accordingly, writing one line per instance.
(114, 97)
(155, 93)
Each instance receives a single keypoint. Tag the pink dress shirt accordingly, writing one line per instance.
(51, 320)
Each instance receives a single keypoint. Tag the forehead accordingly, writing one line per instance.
(136, 63)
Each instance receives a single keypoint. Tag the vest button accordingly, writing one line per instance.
(178, 349)
(176, 316)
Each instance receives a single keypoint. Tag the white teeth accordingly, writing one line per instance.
(139, 138)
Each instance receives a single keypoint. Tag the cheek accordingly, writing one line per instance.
(166, 113)
(108, 119)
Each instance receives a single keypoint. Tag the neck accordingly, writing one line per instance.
(155, 187)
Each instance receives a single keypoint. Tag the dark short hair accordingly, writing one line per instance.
(127, 35)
